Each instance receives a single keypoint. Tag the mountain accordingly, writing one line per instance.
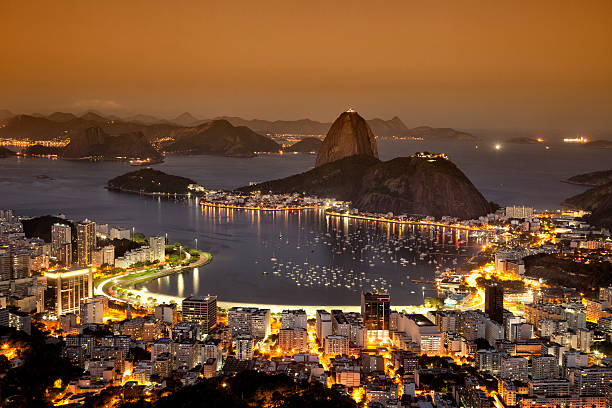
(429, 133)
(598, 200)
(306, 145)
(94, 117)
(61, 117)
(185, 119)
(95, 143)
(4, 152)
(150, 181)
(40, 150)
(144, 119)
(219, 137)
(596, 178)
(349, 135)
(5, 114)
(300, 126)
(421, 184)
(388, 128)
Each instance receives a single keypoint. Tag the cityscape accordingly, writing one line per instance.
(283, 205)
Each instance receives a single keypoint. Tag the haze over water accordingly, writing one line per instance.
(243, 243)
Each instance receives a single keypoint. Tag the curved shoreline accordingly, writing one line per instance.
(271, 209)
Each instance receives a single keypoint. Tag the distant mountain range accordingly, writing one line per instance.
(63, 124)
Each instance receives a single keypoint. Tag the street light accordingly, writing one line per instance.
(196, 243)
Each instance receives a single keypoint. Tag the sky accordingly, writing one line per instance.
(464, 64)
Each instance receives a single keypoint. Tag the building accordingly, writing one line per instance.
(64, 254)
(92, 310)
(120, 233)
(294, 319)
(158, 249)
(67, 289)
(494, 302)
(5, 264)
(514, 368)
(201, 310)
(20, 263)
(86, 242)
(294, 340)
(103, 256)
(590, 381)
(544, 367)
(376, 313)
(323, 325)
(249, 321)
(244, 348)
(60, 234)
(336, 344)
(521, 212)
(167, 313)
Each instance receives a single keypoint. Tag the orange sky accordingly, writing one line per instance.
(466, 64)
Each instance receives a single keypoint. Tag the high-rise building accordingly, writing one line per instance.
(294, 319)
(166, 313)
(67, 289)
(64, 254)
(20, 263)
(293, 340)
(201, 310)
(92, 310)
(376, 313)
(5, 264)
(158, 248)
(86, 241)
(60, 234)
(494, 302)
(324, 325)
(249, 321)
(244, 348)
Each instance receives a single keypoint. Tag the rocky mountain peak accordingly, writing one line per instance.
(349, 135)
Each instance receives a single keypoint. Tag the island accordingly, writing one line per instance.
(523, 140)
(593, 179)
(150, 182)
(306, 145)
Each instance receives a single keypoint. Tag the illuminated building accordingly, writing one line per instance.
(158, 248)
(336, 344)
(20, 263)
(167, 313)
(544, 367)
(323, 325)
(294, 319)
(86, 241)
(92, 310)
(249, 321)
(244, 348)
(376, 313)
(64, 254)
(60, 235)
(5, 264)
(201, 310)
(494, 302)
(293, 340)
(67, 289)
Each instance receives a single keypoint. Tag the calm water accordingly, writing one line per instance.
(330, 261)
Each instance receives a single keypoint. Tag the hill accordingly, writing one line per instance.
(349, 135)
(430, 133)
(4, 152)
(596, 178)
(5, 114)
(151, 182)
(306, 145)
(220, 137)
(94, 143)
(40, 227)
(40, 150)
(598, 200)
(415, 185)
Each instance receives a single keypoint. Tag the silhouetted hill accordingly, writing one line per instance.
(4, 152)
(219, 137)
(95, 143)
(598, 200)
(40, 227)
(596, 178)
(387, 128)
(405, 185)
(61, 117)
(186, 119)
(306, 145)
(349, 135)
(429, 133)
(150, 181)
(40, 150)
